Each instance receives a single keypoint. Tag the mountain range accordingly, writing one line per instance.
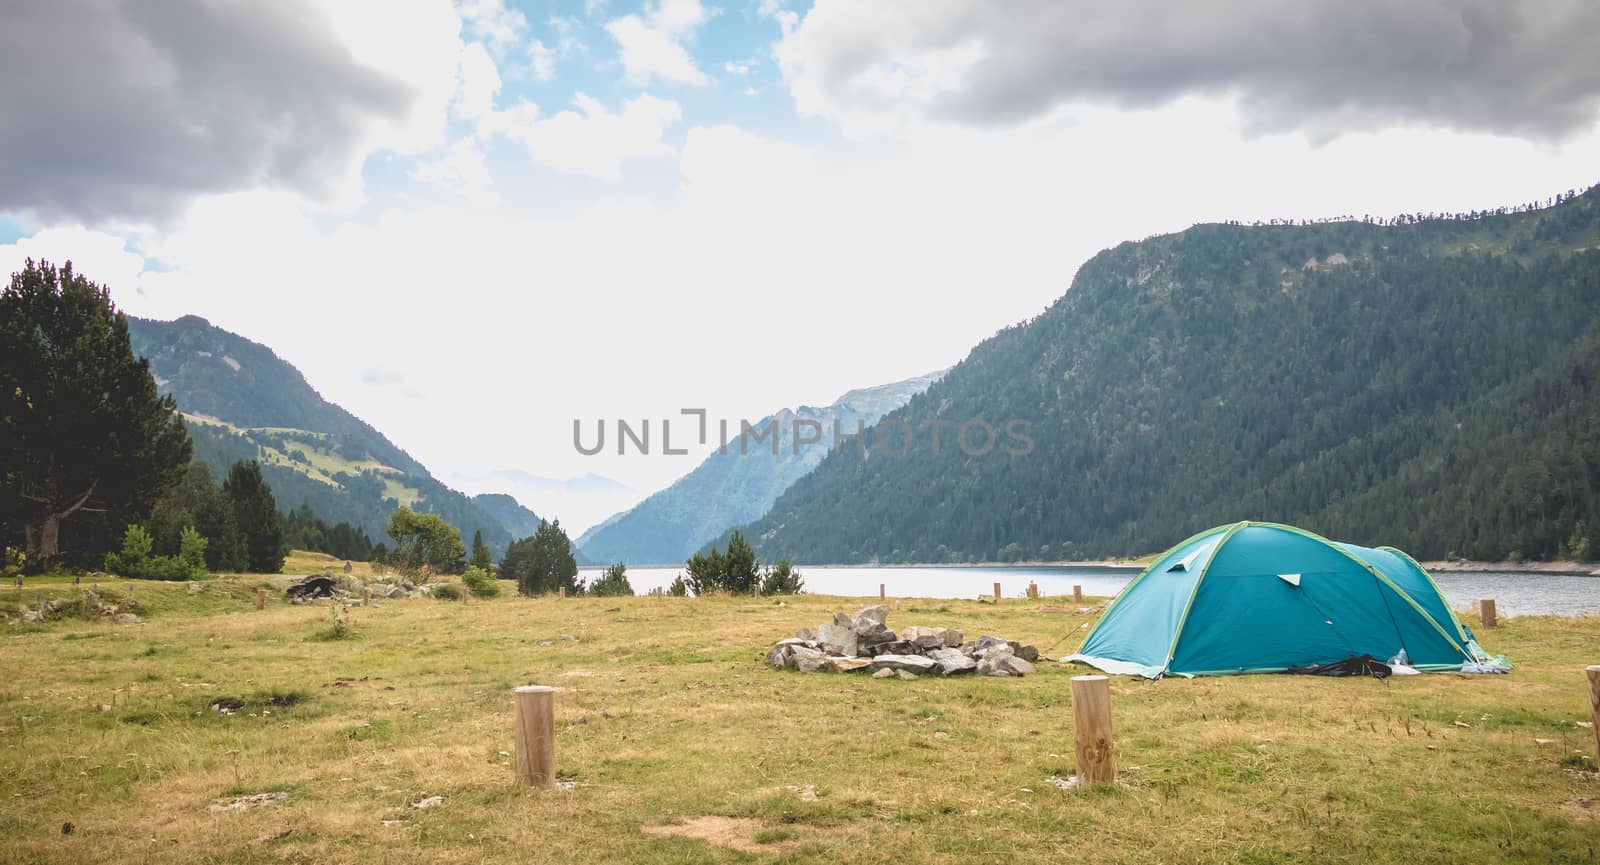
(737, 484)
(241, 401)
(1430, 382)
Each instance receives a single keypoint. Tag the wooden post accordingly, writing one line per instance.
(1594, 706)
(882, 593)
(1077, 594)
(1486, 609)
(261, 599)
(1091, 730)
(997, 593)
(535, 719)
(561, 592)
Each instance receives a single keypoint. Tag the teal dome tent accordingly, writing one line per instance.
(1259, 597)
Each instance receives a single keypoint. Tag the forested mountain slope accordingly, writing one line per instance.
(1428, 383)
(241, 401)
(732, 488)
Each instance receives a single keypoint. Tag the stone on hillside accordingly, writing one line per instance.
(845, 665)
(805, 634)
(909, 663)
(126, 619)
(883, 673)
(877, 613)
(906, 676)
(953, 662)
(837, 639)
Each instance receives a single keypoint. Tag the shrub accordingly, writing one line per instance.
(679, 588)
(446, 592)
(614, 583)
(782, 579)
(480, 583)
(135, 561)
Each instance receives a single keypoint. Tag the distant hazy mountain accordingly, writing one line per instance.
(1427, 382)
(518, 520)
(241, 401)
(580, 502)
(735, 487)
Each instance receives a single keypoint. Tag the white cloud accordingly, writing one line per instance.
(595, 141)
(541, 60)
(103, 258)
(462, 168)
(480, 83)
(652, 46)
(492, 22)
(739, 67)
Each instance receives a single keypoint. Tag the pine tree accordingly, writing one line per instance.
(542, 563)
(614, 583)
(256, 512)
(84, 436)
(480, 552)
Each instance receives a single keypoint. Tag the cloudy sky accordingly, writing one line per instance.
(471, 223)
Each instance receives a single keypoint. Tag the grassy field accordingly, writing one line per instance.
(667, 718)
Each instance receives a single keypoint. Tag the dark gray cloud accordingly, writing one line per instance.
(125, 110)
(1320, 66)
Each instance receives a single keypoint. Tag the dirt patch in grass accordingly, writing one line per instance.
(735, 833)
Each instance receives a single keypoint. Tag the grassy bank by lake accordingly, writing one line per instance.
(666, 715)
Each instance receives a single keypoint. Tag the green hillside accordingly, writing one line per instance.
(241, 401)
(1427, 382)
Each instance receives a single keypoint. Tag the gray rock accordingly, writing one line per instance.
(985, 644)
(906, 676)
(837, 639)
(1014, 665)
(870, 633)
(898, 647)
(845, 665)
(931, 638)
(909, 663)
(126, 619)
(883, 673)
(878, 613)
(1023, 651)
(953, 662)
(796, 641)
(810, 660)
(993, 663)
(805, 634)
(778, 656)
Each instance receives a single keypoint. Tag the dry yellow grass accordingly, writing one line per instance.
(665, 715)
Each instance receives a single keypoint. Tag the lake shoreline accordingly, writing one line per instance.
(1565, 568)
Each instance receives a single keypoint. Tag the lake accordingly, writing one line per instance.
(1514, 594)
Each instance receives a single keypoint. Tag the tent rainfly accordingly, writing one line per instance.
(1260, 597)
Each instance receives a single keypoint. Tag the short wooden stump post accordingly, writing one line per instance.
(997, 593)
(883, 594)
(561, 592)
(261, 599)
(1486, 610)
(1077, 594)
(1091, 730)
(1594, 706)
(535, 718)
